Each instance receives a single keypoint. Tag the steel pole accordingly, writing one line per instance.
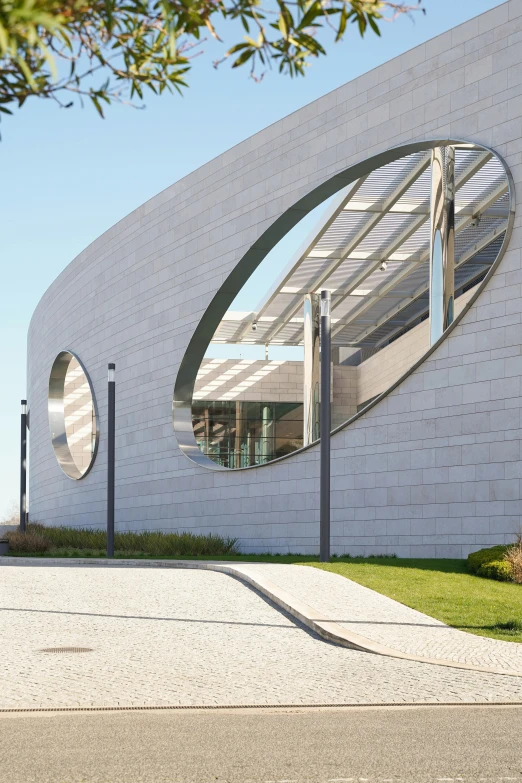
(110, 459)
(325, 422)
(23, 467)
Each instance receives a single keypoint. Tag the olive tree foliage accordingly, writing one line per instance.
(116, 50)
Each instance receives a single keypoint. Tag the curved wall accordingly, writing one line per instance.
(434, 468)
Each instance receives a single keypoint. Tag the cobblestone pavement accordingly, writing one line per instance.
(187, 637)
(388, 622)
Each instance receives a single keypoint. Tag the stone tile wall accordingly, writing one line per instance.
(432, 469)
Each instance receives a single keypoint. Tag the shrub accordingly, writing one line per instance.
(496, 569)
(27, 542)
(483, 556)
(513, 556)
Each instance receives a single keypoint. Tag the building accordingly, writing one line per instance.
(417, 164)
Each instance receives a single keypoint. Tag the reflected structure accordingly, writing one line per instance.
(311, 381)
(402, 250)
(239, 434)
(442, 249)
(72, 416)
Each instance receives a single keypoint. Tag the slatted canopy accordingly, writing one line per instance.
(371, 249)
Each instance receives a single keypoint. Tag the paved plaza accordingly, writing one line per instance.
(385, 621)
(161, 637)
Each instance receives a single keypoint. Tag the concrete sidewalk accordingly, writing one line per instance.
(383, 621)
(176, 637)
(345, 613)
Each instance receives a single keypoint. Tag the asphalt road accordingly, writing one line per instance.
(417, 744)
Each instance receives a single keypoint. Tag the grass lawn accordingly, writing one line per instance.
(443, 589)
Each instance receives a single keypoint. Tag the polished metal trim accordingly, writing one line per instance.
(55, 408)
(442, 241)
(206, 328)
(310, 368)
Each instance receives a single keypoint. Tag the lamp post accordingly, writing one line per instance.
(325, 423)
(110, 458)
(23, 467)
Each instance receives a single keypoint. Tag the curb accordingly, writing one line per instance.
(345, 706)
(325, 628)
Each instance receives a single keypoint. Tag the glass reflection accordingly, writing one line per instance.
(72, 416)
(402, 251)
(79, 416)
(437, 290)
(238, 434)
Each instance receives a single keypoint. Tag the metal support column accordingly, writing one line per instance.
(311, 369)
(442, 241)
(23, 467)
(324, 534)
(110, 458)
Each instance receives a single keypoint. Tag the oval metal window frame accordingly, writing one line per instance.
(246, 266)
(55, 407)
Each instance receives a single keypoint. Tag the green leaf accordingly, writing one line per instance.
(237, 48)
(342, 24)
(373, 25)
(243, 58)
(97, 106)
(313, 12)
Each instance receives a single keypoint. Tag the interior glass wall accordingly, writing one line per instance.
(238, 434)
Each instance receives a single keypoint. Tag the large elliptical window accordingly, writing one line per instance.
(403, 248)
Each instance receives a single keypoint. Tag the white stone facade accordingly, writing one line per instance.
(433, 469)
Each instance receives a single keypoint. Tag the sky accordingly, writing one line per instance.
(67, 175)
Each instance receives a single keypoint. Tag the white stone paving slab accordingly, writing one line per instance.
(188, 637)
(388, 622)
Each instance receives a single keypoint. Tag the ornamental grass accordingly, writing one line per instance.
(513, 557)
(62, 540)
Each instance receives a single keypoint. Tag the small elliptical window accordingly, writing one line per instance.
(73, 417)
